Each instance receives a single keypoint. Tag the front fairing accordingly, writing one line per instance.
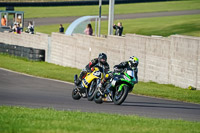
(96, 74)
(127, 78)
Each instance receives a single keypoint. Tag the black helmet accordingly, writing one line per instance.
(102, 58)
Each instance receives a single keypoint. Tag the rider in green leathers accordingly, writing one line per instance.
(132, 63)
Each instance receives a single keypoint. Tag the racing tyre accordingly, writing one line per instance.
(91, 91)
(75, 94)
(120, 96)
(98, 97)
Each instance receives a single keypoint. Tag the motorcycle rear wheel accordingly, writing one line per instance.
(75, 94)
(98, 97)
(120, 96)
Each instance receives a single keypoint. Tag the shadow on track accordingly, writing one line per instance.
(158, 105)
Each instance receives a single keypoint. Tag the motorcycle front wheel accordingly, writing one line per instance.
(98, 97)
(91, 90)
(75, 94)
(120, 96)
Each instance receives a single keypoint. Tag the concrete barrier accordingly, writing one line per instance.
(39, 41)
(166, 60)
(185, 61)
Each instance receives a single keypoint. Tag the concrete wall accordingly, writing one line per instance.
(77, 51)
(153, 56)
(184, 61)
(172, 60)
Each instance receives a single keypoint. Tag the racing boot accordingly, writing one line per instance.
(107, 96)
(82, 90)
(81, 76)
(76, 80)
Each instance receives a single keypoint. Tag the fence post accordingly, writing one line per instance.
(49, 50)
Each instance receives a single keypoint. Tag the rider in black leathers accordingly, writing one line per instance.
(100, 61)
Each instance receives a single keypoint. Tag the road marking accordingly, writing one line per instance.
(37, 76)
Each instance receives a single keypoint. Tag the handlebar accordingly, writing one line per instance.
(98, 68)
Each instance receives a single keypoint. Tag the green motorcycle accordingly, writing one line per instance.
(117, 88)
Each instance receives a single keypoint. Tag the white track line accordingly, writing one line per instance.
(37, 76)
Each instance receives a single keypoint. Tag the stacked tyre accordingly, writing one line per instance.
(11, 49)
(25, 52)
(4, 48)
(35, 54)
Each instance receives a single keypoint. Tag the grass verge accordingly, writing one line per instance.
(19, 119)
(42, 69)
(163, 26)
(48, 70)
(38, 0)
(63, 11)
(167, 91)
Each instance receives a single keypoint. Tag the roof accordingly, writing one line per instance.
(75, 23)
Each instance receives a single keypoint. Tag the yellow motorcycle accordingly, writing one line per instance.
(88, 85)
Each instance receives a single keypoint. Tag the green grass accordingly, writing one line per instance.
(63, 11)
(23, 120)
(48, 70)
(38, 0)
(48, 29)
(167, 91)
(42, 69)
(163, 26)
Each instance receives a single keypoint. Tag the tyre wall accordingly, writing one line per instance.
(35, 41)
(24, 52)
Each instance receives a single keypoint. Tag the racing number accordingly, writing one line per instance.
(97, 74)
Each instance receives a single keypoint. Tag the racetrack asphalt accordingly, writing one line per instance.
(63, 20)
(23, 90)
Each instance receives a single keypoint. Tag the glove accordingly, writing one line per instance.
(116, 69)
(92, 68)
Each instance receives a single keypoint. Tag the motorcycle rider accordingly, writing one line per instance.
(100, 61)
(132, 63)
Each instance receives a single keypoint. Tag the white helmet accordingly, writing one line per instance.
(134, 61)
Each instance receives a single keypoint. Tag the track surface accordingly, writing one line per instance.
(23, 90)
(62, 20)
